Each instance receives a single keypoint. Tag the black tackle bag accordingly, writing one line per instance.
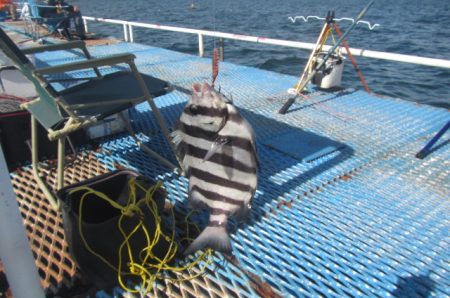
(99, 224)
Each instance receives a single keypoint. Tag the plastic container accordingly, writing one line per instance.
(100, 223)
(331, 74)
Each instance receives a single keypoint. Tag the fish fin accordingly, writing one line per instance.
(215, 146)
(228, 150)
(176, 137)
(211, 237)
(180, 147)
(195, 202)
(241, 214)
(254, 149)
(255, 153)
(177, 140)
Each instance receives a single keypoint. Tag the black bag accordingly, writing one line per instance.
(15, 133)
(99, 224)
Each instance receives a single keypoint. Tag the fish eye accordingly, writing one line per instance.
(193, 109)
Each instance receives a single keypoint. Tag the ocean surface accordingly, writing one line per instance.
(406, 26)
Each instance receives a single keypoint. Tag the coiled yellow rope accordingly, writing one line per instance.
(149, 267)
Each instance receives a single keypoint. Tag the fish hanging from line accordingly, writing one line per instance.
(218, 149)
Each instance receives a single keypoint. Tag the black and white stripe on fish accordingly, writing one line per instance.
(211, 197)
(219, 156)
(242, 148)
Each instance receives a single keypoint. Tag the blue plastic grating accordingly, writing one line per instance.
(366, 220)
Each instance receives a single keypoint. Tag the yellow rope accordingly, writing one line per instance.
(150, 267)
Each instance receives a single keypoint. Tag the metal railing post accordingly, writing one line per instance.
(131, 35)
(201, 48)
(15, 251)
(85, 25)
(125, 32)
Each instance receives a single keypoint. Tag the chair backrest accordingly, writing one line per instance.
(40, 10)
(45, 109)
(33, 8)
(45, 14)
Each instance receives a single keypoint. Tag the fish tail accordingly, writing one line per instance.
(211, 237)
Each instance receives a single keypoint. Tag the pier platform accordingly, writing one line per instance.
(343, 207)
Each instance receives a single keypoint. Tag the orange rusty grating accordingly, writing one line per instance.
(46, 235)
(201, 286)
(44, 225)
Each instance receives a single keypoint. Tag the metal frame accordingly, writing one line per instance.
(33, 20)
(52, 103)
(15, 251)
(74, 123)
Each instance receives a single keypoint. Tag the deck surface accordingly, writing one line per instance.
(364, 218)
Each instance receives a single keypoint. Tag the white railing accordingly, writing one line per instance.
(128, 36)
(15, 250)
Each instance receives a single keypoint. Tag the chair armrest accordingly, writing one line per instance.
(95, 62)
(55, 47)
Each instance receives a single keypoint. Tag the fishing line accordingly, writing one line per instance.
(306, 19)
(215, 53)
(214, 22)
(149, 268)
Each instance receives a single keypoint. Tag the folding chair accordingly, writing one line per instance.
(35, 17)
(84, 104)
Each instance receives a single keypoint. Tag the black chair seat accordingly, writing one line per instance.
(112, 87)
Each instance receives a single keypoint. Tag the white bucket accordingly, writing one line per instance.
(331, 74)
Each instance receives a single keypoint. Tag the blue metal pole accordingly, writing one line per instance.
(424, 152)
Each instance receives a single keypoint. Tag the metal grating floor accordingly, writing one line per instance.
(366, 220)
(44, 225)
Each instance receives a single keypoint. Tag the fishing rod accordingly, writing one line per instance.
(320, 41)
(426, 150)
(330, 52)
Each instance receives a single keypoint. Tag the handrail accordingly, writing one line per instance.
(15, 250)
(128, 36)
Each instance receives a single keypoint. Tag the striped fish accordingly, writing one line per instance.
(219, 157)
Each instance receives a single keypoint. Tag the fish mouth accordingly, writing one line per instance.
(205, 87)
(197, 87)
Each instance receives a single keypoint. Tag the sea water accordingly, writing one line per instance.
(405, 26)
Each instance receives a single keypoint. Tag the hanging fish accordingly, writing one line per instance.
(219, 156)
